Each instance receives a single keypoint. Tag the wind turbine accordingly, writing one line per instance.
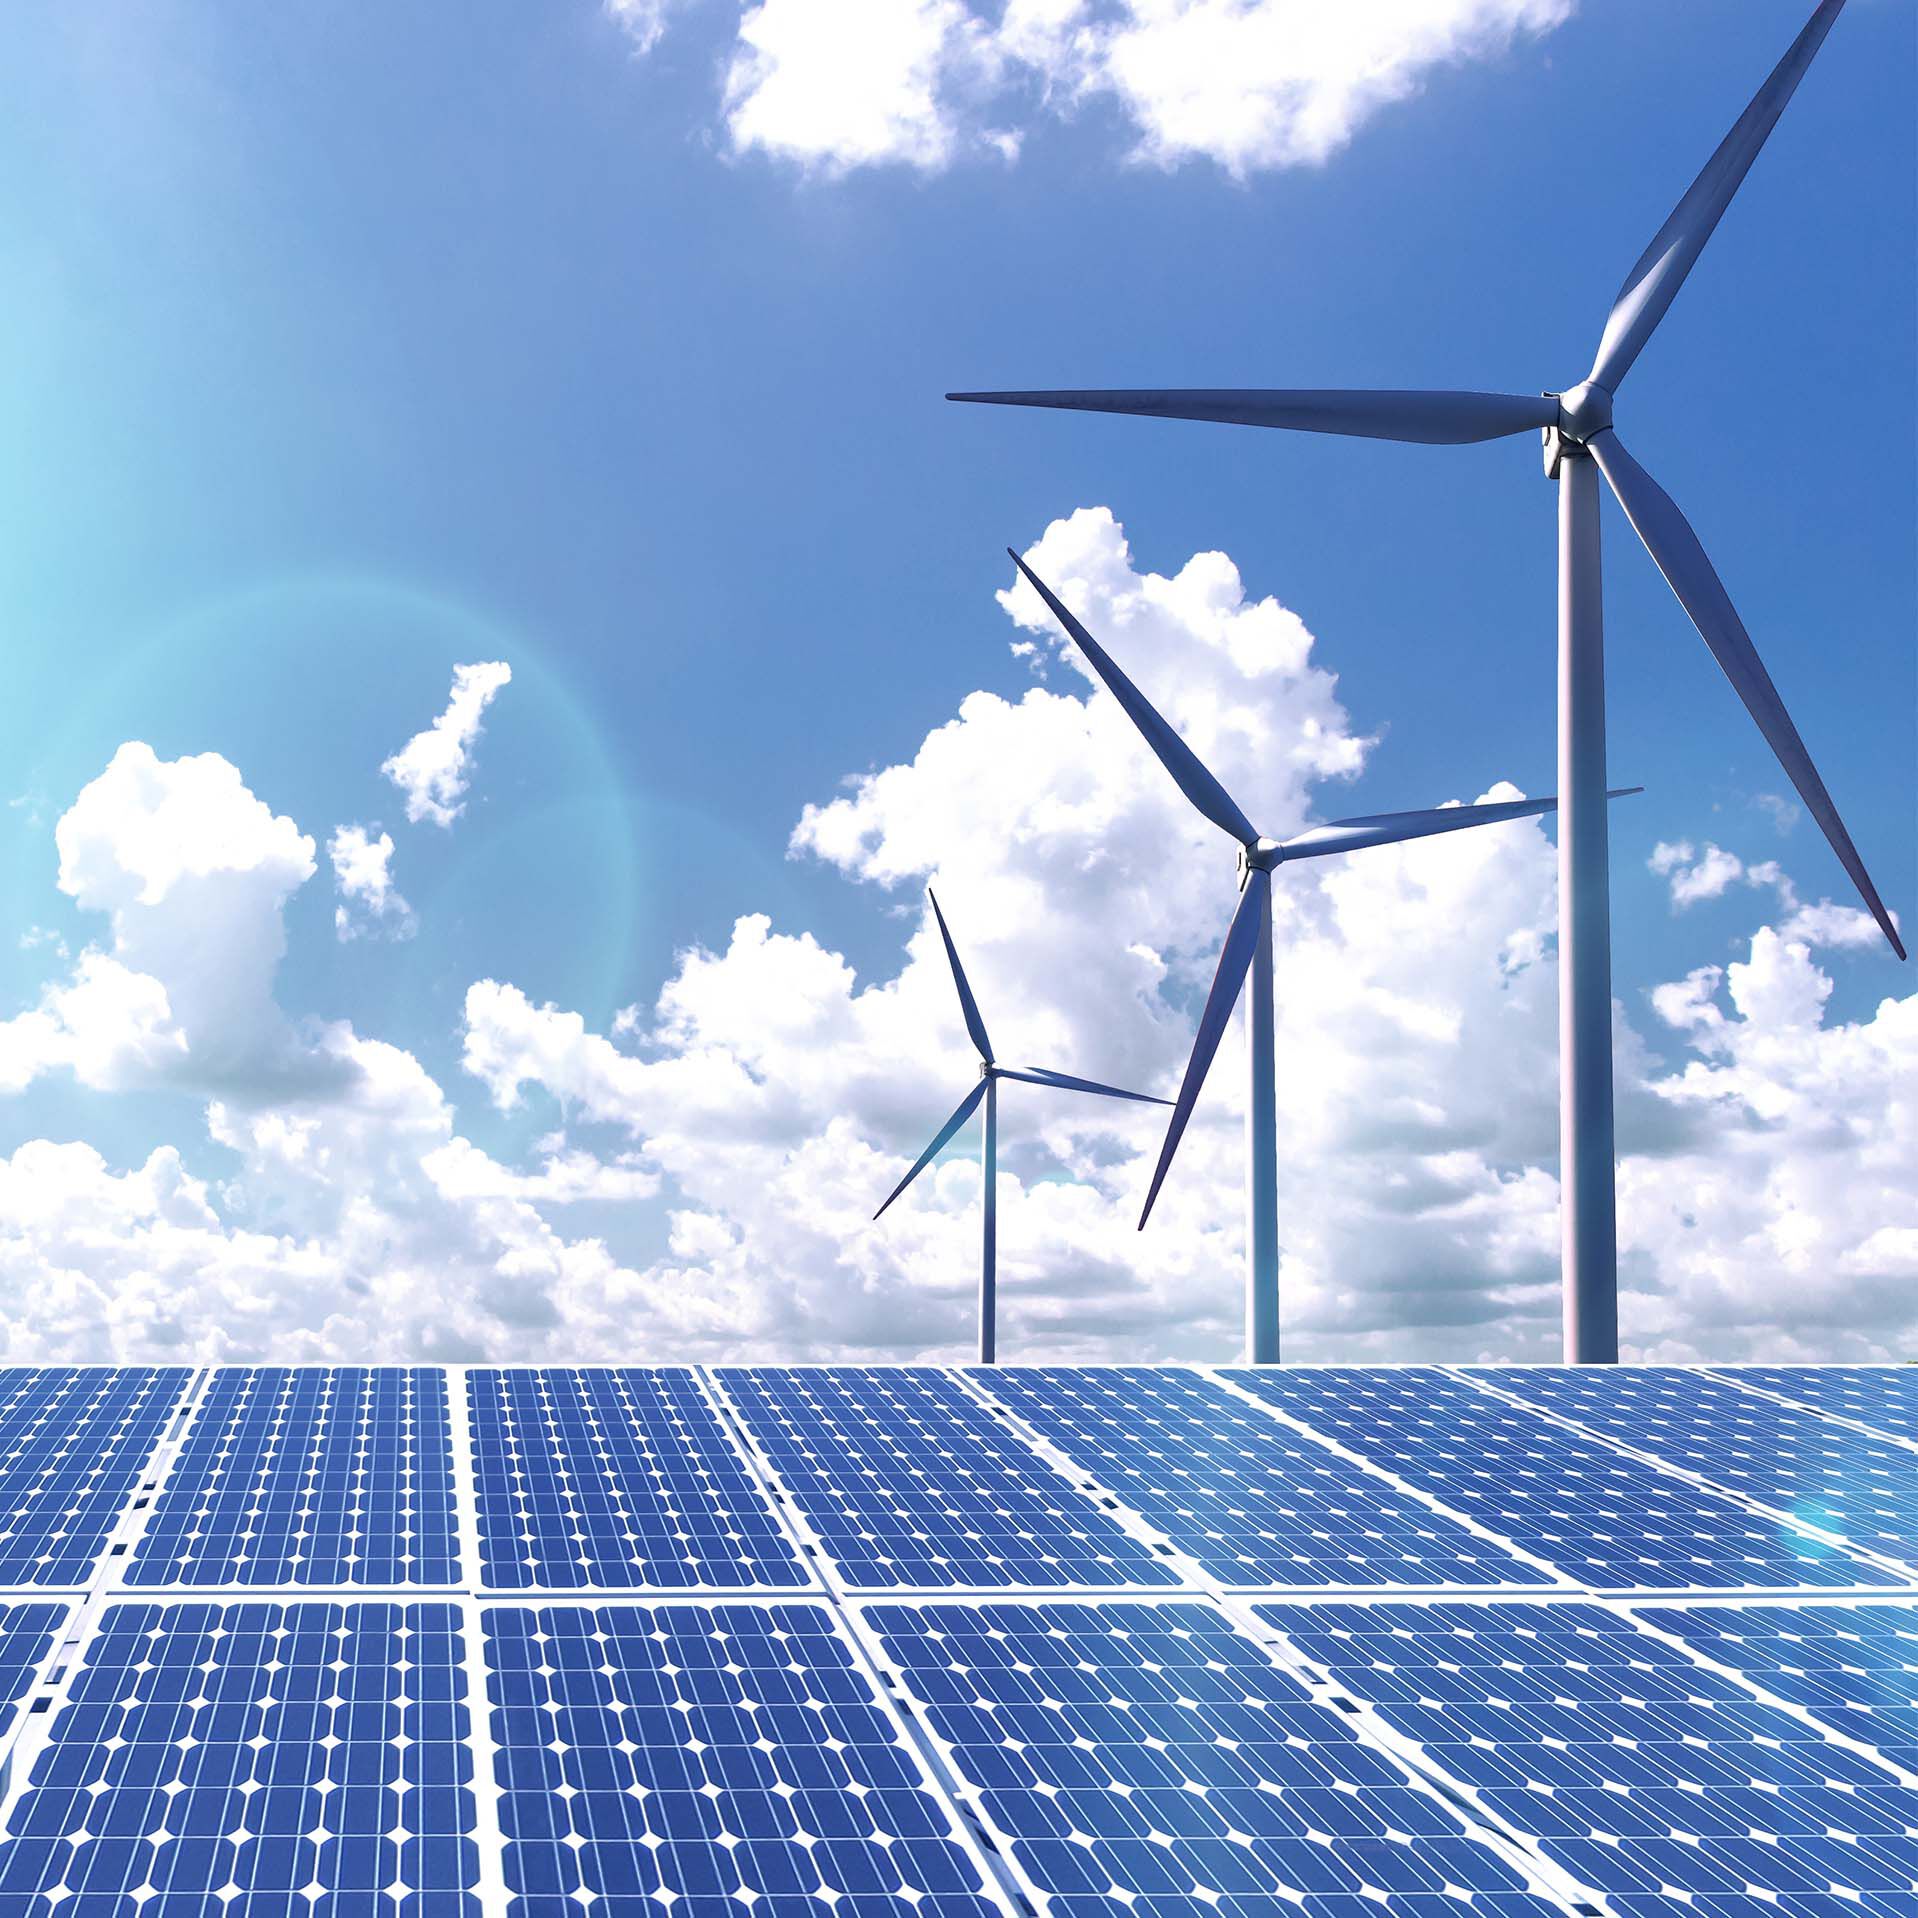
(1248, 948)
(990, 1073)
(1579, 445)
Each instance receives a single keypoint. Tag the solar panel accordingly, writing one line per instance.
(341, 1475)
(1146, 1754)
(908, 1481)
(721, 1755)
(1254, 1503)
(26, 1637)
(74, 1442)
(1638, 1772)
(1853, 1667)
(255, 1757)
(1861, 1489)
(1607, 1521)
(1884, 1397)
(615, 1478)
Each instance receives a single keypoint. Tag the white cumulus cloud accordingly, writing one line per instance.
(1247, 84)
(363, 877)
(431, 768)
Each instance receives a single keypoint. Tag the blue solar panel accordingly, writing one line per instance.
(1863, 1490)
(73, 1445)
(1885, 1397)
(255, 1758)
(615, 1478)
(1608, 1521)
(1641, 1774)
(1252, 1501)
(1853, 1667)
(26, 1637)
(907, 1481)
(1147, 1751)
(334, 1476)
(721, 1754)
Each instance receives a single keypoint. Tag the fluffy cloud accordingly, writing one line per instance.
(770, 1095)
(354, 1221)
(1709, 875)
(1249, 84)
(430, 769)
(363, 877)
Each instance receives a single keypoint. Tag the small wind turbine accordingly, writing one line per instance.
(990, 1073)
(1248, 948)
(1577, 429)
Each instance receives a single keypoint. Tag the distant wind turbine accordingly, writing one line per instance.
(1579, 445)
(1248, 948)
(990, 1073)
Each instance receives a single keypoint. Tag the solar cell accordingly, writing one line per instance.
(1885, 1397)
(908, 1481)
(338, 1475)
(1608, 1521)
(74, 1442)
(1144, 1754)
(1853, 1667)
(615, 1478)
(257, 1758)
(26, 1637)
(1252, 1501)
(1861, 1489)
(723, 1755)
(1640, 1773)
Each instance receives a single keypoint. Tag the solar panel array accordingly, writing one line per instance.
(1130, 1642)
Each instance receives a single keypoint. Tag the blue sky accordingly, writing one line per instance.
(344, 347)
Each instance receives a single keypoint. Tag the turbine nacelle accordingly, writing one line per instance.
(1263, 855)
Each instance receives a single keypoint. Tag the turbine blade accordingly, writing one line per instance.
(1652, 285)
(968, 1005)
(1424, 419)
(940, 1140)
(1387, 828)
(1671, 542)
(1235, 960)
(1041, 1076)
(1185, 766)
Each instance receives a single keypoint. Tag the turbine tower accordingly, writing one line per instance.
(1580, 445)
(1248, 948)
(990, 1073)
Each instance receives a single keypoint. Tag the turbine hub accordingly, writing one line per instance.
(1585, 410)
(1260, 857)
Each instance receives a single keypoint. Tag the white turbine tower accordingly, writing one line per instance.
(1579, 446)
(1248, 948)
(987, 1090)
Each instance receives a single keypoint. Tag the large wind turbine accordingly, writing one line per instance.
(990, 1073)
(1579, 445)
(1248, 948)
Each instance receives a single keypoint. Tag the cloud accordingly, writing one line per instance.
(1708, 875)
(363, 875)
(192, 871)
(431, 768)
(754, 1112)
(1247, 84)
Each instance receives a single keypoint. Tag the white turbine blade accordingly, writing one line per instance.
(1671, 542)
(940, 1141)
(1187, 769)
(1388, 828)
(1652, 285)
(1234, 963)
(1041, 1076)
(1422, 418)
(968, 1005)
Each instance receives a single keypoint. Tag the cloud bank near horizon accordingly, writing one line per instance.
(762, 1104)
